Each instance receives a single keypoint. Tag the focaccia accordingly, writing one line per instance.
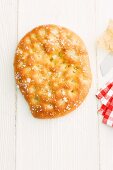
(52, 70)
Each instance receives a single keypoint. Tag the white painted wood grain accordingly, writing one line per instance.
(70, 142)
(8, 39)
(104, 13)
(77, 141)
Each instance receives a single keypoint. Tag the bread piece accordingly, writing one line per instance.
(52, 71)
(106, 40)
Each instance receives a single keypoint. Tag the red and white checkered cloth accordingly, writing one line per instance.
(105, 95)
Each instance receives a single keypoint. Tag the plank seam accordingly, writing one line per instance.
(97, 82)
(17, 11)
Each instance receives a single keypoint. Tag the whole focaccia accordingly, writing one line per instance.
(52, 71)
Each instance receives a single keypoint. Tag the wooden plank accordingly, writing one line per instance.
(70, 142)
(104, 12)
(8, 40)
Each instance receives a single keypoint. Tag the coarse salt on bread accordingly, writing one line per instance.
(52, 71)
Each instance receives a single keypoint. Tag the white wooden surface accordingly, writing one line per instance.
(78, 141)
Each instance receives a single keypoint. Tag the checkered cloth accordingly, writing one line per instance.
(105, 95)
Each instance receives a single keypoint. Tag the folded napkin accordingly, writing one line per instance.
(105, 96)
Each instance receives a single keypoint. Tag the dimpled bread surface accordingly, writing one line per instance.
(52, 71)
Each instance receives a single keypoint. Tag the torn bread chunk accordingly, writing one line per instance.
(106, 39)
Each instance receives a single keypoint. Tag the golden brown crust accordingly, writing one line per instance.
(52, 71)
